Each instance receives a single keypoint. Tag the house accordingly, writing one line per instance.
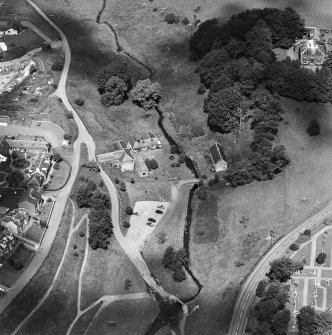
(120, 156)
(311, 50)
(144, 141)
(141, 168)
(31, 201)
(16, 221)
(7, 242)
(39, 171)
(312, 53)
(3, 47)
(4, 119)
(4, 149)
(6, 31)
(218, 158)
(36, 180)
(29, 146)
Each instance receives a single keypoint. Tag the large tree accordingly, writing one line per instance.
(225, 109)
(146, 94)
(115, 91)
(281, 322)
(15, 178)
(282, 269)
(306, 320)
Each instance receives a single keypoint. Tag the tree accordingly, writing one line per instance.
(282, 269)
(307, 232)
(294, 247)
(115, 92)
(182, 158)
(175, 260)
(323, 323)
(266, 309)
(57, 157)
(129, 210)
(281, 322)
(83, 197)
(119, 68)
(320, 259)
(174, 149)
(100, 228)
(261, 287)
(171, 18)
(306, 319)
(146, 94)
(126, 224)
(15, 178)
(57, 65)
(179, 275)
(100, 201)
(314, 128)
(212, 66)
(79, 102)
(224, 109)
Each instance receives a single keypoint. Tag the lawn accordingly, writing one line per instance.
(60, 176)
(105, 273)
(45, 211)
(35, 233)
(131, 317)
(8, 274)
(84, 321)
(60, 307)
(39, 284)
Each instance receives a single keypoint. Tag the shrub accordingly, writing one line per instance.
(162, 237)
(171, 18)
(57, 157)
(321, 258)
(132, 180)
(185, 21)
(81, 233)
(126, 224)
(15, 178)
(74, 246)
(79, 102)
(179, 275)
(56, 166)
(182, 158)
(18, 265)
(294, 247)
(67, 136)
(57, 65)
(201, 89)
(314, 128)
(75, 254)
(129, 210)
(21, 163)
(302, 239)
(307, 232)
(174, 149)
(116, 181)
(93, 166)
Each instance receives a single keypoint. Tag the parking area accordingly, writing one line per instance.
(140, 227)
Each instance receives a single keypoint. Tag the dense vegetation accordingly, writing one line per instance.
(100, 223)
(314, 322)
(272, 315)
(239, 67)
(175, 260)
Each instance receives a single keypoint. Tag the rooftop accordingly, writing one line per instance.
(217, 153)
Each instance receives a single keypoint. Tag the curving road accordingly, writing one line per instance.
(248, 289)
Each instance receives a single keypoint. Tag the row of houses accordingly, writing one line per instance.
(122, 153)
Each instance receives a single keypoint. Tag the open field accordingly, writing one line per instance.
(34, 233)
(105, 273)
(60, 307)
(39, 284)
(131, 317)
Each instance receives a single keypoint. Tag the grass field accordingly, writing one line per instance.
(131, 317)
(34, 233)
(105, 273)
(60, 307)
(39, 284)
(60, 177)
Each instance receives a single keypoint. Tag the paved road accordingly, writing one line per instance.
(248, 289)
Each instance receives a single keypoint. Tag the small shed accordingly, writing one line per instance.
(218, 157)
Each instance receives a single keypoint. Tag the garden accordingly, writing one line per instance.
(60, 175)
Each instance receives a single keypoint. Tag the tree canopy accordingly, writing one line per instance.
(282, 269)
(146, 94)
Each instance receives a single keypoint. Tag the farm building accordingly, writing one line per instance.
(218, 158)
(144, 141)
(119, 156)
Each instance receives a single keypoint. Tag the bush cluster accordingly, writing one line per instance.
(175, 260)
(171, 18)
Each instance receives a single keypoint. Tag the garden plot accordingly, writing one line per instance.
(139, 230)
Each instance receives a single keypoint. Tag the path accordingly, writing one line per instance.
(41, 301)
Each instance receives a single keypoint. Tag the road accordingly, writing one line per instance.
(248, 289)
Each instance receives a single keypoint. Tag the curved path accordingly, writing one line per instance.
(248, 289)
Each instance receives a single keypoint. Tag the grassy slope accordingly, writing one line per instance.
(59, 309)
(39, 284)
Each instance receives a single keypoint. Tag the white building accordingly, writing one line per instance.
(3, 47)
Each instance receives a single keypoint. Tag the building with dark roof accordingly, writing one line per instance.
(218, 158)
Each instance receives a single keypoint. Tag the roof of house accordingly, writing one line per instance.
(126, 153)
(152, 135)
(124, 144)
(217, 153)
(3, 210)
(4, 118)
(36, 177)
(141, 166)
(311, 48)
(22, 144)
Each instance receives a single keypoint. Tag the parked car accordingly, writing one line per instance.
(149, 224)
(161, 206)
(158, 211)
(151, 220)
